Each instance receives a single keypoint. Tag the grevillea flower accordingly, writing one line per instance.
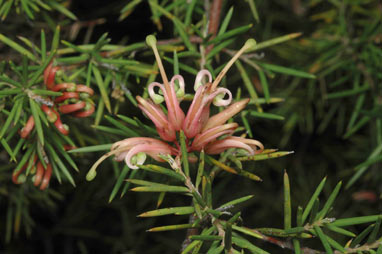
(211, 134)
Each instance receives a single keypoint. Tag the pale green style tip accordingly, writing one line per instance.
(151, 40)
(250, 43)
(157, 98)
(179, 93)
(91, 175)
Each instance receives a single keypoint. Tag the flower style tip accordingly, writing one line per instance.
(175, 114)
(248, 45)
(251, 146)
(151, 40)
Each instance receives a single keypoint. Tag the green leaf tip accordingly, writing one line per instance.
(151, 40)
(250, 44)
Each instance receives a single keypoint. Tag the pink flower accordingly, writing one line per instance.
(211, 134)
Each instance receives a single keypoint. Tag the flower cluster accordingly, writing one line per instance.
(203, 132)
(42, 175)
(74, 100)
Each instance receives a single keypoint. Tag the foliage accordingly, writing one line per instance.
(67, 98)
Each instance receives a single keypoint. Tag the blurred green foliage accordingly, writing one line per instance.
(317, 93)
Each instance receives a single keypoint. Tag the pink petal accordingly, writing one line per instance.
(226, 114)
(154, 112)
(200, 77)
(197, 112)
(221, 102)
(153, 150)
(174, 112)
(220, 146)
(210, 135)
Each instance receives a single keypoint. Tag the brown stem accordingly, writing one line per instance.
(190, 232)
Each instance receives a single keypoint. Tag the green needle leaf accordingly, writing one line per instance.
(200, 170)
(265, 156)
(17, 47)
(228, 236)
(57, 6)
(155, 187)
(315, 195)
(162, 170)
(243, 243)
(266, 115)
(275, 41)
(355, 221)
(362, 236)
(171, 210)
(10, 118)
(248, 231)
(102, 88)
(340, 230)
(171, 227)
(236, 201)
(119, 182)
(206, 237)
(287, 203)
(374, 233)
(323, 239)
(229, 34)
(329, 202)
(285, 70)
(183, 148)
